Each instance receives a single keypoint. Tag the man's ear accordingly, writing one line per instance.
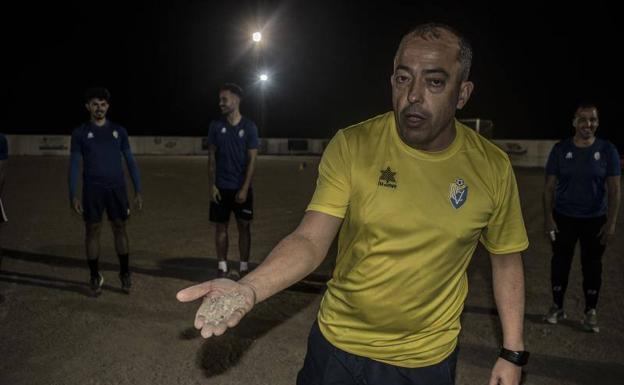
(465, 90)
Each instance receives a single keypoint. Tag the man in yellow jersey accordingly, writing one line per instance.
(412, 192)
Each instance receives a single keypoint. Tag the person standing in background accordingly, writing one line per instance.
(233, 148)
(581, 203)
(101, 143)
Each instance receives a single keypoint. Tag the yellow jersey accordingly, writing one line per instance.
(411, 222)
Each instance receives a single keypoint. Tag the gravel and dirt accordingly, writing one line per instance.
(53, 332)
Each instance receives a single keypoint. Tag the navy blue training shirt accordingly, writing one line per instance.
(101, 149)
(232, 143)
(581, 176)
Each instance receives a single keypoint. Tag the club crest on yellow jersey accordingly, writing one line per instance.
(458, 193)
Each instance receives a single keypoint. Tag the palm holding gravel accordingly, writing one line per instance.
(225, 303)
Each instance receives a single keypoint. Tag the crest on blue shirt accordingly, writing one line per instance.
(458, 193)
(89, 135)
(115, 134)
(223, 130)
(241, 132)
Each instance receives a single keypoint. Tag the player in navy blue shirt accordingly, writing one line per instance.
(101, 143)
(581, 203)
(233, 146)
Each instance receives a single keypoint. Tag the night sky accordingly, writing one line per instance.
(329, 63)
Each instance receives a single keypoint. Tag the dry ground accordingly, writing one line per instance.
(52, 332)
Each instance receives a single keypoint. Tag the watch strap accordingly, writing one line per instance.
(519, 358)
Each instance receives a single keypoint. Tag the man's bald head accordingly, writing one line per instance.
(438, 31)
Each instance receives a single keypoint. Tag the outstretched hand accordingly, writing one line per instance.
(214, 289)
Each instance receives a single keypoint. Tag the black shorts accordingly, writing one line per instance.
(97, 198)
(220, 211)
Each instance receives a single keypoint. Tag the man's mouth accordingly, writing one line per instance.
(415, 119)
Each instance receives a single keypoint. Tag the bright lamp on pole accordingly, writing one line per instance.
(256, 37)
(263, 77)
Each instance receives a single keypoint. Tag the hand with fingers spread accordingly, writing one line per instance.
(212, 291)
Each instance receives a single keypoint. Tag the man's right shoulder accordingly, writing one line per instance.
(365, 129)
(561, 144)
(215, 123)
(79, 130)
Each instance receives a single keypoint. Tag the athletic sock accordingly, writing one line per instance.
(244, 266)
(123, 264)
(223, 266)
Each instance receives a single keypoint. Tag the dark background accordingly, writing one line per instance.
(329, 63)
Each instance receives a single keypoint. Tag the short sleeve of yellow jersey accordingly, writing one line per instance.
(505, 232)
(333, 186)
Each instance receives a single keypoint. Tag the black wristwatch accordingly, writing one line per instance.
(519, 358)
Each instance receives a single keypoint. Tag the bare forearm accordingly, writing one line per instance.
(290, 261)
(251, 167)
(211, 168)
(549, 197)
(613, 204)
(508, 286)
(2, 174)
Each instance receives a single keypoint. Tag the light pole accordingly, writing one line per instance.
(256, 37)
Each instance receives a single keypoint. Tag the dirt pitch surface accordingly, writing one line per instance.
(53, 332)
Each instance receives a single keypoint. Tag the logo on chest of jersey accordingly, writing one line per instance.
(597, 155)
(241, 132)
(89, 135)
(115, 134)
(458, 193)
(386, 179)
(223, 130)
(569, 155)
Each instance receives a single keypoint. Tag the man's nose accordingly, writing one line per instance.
(416, 92)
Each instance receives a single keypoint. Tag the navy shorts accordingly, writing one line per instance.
(220, 211)
(97, 198)
(325, 364)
